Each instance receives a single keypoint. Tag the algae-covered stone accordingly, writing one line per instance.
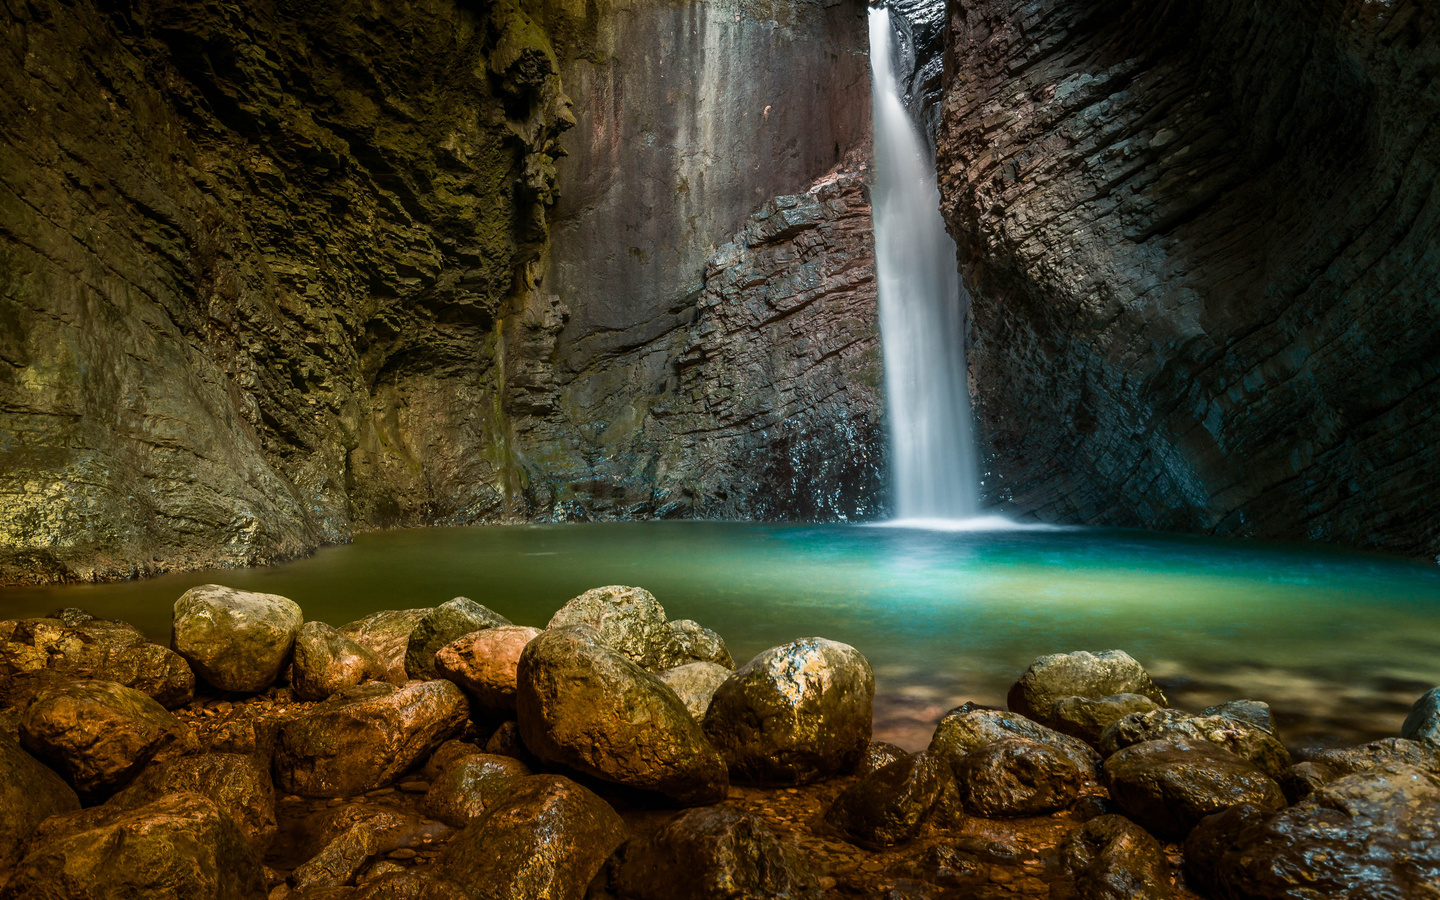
(41, 653)
(238, 785)
(484, 663)
(585, 705)
(1087, 719)
(327, 662)
(627, 619)
(387, 635)
(547, 839)
(967, 728)
(235, 640)
(441, 625)
(466, 788)
(363, 738)
(1112, 858)
(1246, 741)
(888, 806)
(1080, 674)
(795, 713)
(695, 684)
(1168, 786)
(29, 793)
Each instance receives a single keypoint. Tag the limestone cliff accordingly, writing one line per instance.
(1200, 236)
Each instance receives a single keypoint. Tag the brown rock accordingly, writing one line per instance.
(1301, 780)
(238, 785)
(887, 807)
(626, 619)
(235, 640)
(877, 756)
(695, 684)
(967, 728)
(483, 664)
(387, 635)
(1087, 719)
(29, 793)
(1250, 743)
(447, 622)
(1169, 786)
(1079, 674)
(1112, 858)
(465, 789)
(327, 662)
(41, 653)
(1018, 777)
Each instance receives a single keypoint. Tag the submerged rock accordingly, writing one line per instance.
(1018, 777)
(1170, 785)
(179, 847)
(387, 635)
(547, 839)
(40, 653)
(795, 713)
(1087, 719)
(887, 806)
(967, 728)
(695, 684)
(448, 621)
(238, 785)
(235, 640)
(1079, 674)
(1246, 741)
(465, 789)
(364, 737)
(583, 704)
(627, 619)
(484, 663)
(715, 853)
(327, 662)
(1423, 721)
(1112, 858)
(29, 793)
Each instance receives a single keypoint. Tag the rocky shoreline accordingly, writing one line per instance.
(617, 755)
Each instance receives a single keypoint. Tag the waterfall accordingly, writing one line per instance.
(922, 303)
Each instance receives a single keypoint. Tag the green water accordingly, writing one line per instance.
(1339, 643)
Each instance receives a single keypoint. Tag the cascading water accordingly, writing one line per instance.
(922, 304)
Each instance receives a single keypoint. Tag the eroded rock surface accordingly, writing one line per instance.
(40, 653)
(1246, 741)
(1079, 674)
(1018, 777)
(1169, 786)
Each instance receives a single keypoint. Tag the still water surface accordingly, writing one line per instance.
(1338, 643)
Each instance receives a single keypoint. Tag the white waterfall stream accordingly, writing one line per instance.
(922, 305)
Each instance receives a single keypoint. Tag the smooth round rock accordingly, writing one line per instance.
(240, 786)
(484, 663)
(365, 737)
(1112, 858)
(445, 623)
(235, 640)
(583, 704)
(795, 713)
(628, 620)
(1079, 674)
(1087, 719)
(1423, 721)
(693, 642)
(327, 662)
(695, 684)
(97, 734)
(547, 839)
(42, 653)
(967, 728)
(1018, 777)
(29, 794)
(1168, 786)
(387, 635)
(1246, 741)
(887, 806)
(465, 789)
(715, 853)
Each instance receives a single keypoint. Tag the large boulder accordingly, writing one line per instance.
(547, 839)
(29, 794)
(484, 663)
(1112, 858)
(338, 862)
(967, 728)
(364, 737)
(98, 734)
(235, 640)
(327, 662)
(1079, 674)
(795, 713)
(1246, 741)
(441, 625)
(1017, 777)
(1168, 786)
(36, 654)
(1302, 779)
(463, 790)
(1423, 722)
(888, 806)
(692, 642)
(387, 635)
(695, 684)
(240, 786)
(1374, 834)
(628, 620)
(1087, 719)
(715, 853)
(180, 847)
(583, 704)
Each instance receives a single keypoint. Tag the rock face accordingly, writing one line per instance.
(1169, 786)
(585, 705)
(327, 662)
(362, 738)
(1198, 249)
(235, 640)
(41, 653)
(795, 713)
(1081, 674)
(29, 793)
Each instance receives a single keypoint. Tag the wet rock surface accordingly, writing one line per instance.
(327, 662)
(40, 653)
(968, 728)
(484, 663)
(695, 684)
(463, 790)
(794, 713)
(235, 640)
(886, 807)
(1112, 858)
(1087, 719)
(1018, 777)
(1246, 741)
(1168, 786)
(447, 622)
(1423, 721)
(1080, 674)
(1300, 780)
(694, 643)
(239, 786)
(29, 793)
(627, 619)
(387, 635)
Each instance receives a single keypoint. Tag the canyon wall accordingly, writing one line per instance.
(1201, 240)
(272, 273)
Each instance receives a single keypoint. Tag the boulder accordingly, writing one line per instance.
(441, 625)
(715, 853)
(1112, 858)
(1079, 674)
(447, 755)
(235, 640)
(1423, 722)
(179, 847)
(967, 728)
(695, 684)
(795, 713)
(483, 664)
(693, 642)
(29, 793)
(465, 789)
(1302, 779)
(406, 885)
(628, 620)
(1246, 741)
(547, 839)
(583, 704)
(238, 785)
(1374, 834)
(387, 635)
(327, 662)
(888, 806)
(1169, 785)
(339, 861)
(98, 734)
(877, 756)
(41, 653)
(364, 737)
(1087, 719)
(1018, 777)
(1251, 712)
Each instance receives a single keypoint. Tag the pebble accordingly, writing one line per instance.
(402, 853)
(414, 787)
